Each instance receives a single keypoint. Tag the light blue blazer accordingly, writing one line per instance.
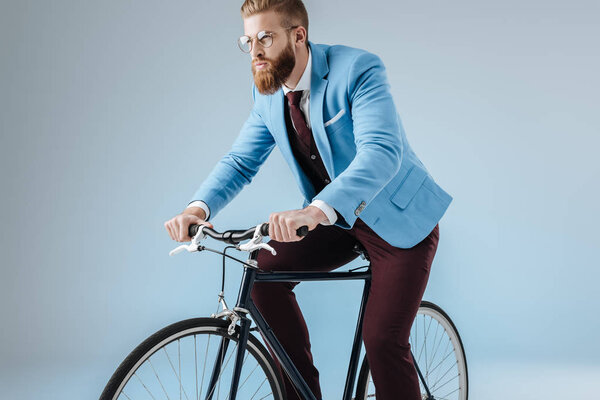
(374, 172)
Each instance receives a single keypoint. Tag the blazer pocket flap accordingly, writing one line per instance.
(409, 187)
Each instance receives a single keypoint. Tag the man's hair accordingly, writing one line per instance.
(292, 12)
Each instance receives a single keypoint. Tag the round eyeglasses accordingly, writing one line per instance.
(265, 38)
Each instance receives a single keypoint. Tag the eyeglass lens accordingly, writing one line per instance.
(245, 42)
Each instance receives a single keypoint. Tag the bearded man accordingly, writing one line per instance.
(330, 111)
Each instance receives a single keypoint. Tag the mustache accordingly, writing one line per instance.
(261, 60)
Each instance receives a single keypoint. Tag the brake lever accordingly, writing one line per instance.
(194, 244)
(256, 242)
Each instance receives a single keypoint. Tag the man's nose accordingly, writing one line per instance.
(257, 50)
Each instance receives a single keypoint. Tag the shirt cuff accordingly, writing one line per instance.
(202, 205)
(327, 210)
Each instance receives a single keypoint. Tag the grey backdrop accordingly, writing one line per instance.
(113, 112)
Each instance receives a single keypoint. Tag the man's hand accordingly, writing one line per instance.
(178, 226)
(283, 225)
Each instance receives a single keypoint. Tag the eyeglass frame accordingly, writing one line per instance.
(251, 38)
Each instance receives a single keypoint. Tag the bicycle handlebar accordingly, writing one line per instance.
(237, 236)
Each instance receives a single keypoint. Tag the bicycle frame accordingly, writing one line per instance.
(245, 306)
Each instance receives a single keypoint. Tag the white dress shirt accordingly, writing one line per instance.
(304, 85)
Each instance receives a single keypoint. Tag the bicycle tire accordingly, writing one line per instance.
(365, 387)
(151, 347)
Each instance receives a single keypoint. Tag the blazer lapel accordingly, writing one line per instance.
(318, 84)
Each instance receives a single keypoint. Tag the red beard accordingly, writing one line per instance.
(269, 79)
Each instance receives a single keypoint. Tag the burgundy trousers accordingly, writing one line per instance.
(398, 280)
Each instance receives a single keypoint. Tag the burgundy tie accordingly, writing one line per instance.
(298, 118)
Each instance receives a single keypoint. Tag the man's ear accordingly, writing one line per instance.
(300, 35)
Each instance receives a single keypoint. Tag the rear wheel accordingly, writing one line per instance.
(439, 354)
(194, 359)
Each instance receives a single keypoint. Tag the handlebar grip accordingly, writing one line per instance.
(264, 229)
(193, 229)
(302, 231)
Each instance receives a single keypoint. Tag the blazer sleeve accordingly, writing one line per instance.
(377, 138)
(237, 168)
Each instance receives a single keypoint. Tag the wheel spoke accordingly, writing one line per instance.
(179, 360)
(446, 395)
(425, 345)
(442, 377)
(204, 366)
(417, 334)
(175, 372)
(256, 391)
(445, 383)
(436, 344)
(248, 377)
(437, 327)
(196, 366)
(125, 394)
(438, 347)
(146, 387)
(443, 359)
(424, 341)
(158, 378)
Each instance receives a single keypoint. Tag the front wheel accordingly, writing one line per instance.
(194, 359)
(439, 354)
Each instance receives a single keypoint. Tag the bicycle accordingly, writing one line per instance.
(149, 371)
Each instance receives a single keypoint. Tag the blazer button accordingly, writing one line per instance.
(360, 207)
(313, 157)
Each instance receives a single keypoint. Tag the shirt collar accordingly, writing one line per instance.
(304, 82)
